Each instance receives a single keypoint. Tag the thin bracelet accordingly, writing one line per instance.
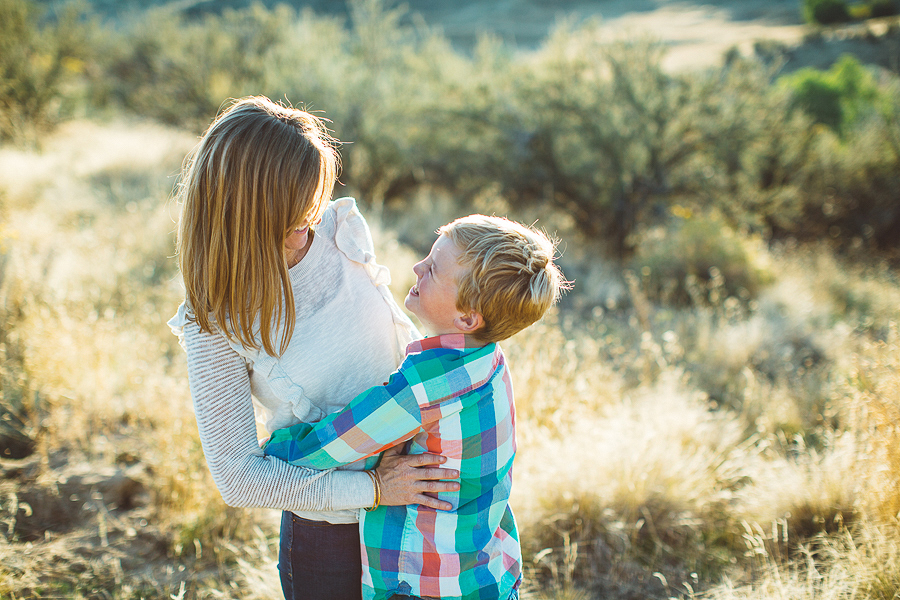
(377, 488)
(377, 483)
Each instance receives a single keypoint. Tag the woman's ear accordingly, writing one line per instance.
(469, 322)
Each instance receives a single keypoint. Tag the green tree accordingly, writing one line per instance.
(839, 97)
(36, 60)
(825, 12)
(883, 8)
(604, 134)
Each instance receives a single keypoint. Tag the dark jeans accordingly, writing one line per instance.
(319, 561)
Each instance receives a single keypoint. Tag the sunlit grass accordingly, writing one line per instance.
(862, 563)
(89, 285)
(662, 451)
(714, 417)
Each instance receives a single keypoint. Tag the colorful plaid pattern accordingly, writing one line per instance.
(449, 397)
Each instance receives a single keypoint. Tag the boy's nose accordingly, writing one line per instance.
(417, 268)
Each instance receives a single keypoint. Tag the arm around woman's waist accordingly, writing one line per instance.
(220, 388)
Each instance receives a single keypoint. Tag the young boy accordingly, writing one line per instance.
(485, 279)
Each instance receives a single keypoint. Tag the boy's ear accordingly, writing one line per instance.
(469, 322)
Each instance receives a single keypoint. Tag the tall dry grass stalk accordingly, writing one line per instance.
(861, 564)
(875, 395)
(661, 449)
(88, 287)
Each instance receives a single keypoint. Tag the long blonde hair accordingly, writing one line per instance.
(259, 170)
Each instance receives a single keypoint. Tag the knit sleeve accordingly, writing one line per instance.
(220, 388)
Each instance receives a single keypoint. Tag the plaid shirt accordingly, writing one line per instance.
(449, 397)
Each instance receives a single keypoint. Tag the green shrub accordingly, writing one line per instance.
(819, 97)
(838, 97)
(825, 12)
(180, 72)
(859, 12)
(851, 176)
(698, 260)
(828, 12)
(599, 133)
(36, 61)
(855, 198)
(883, 8)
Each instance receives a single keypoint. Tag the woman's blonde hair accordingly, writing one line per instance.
(511, 279)
(259, 170)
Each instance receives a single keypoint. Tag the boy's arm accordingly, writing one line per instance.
(375, 420)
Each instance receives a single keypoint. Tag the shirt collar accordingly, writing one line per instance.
(449, 341)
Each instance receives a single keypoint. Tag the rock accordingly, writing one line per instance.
(119, 489)
(60, 501)
(14, 442)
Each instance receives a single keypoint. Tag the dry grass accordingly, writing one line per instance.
(858, 564)
(116, 500)
(662, 451)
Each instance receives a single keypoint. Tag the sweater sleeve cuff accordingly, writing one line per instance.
(351, 490)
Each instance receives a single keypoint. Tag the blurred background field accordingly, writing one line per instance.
(712, 412)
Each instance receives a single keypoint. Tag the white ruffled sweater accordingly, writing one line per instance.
(349, 336)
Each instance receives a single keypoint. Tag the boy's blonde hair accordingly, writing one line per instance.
(259, 170)
(511, 278)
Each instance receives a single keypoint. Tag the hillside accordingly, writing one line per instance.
(697, 33)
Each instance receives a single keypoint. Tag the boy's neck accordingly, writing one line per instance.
(458, 339)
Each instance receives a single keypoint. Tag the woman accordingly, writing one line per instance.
(299, 317)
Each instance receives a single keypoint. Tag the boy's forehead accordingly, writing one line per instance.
(445, 252)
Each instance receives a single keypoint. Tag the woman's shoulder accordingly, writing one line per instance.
(341, 211)
(342, 203)
(345, 225)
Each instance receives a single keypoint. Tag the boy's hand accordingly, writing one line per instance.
(405, 479)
